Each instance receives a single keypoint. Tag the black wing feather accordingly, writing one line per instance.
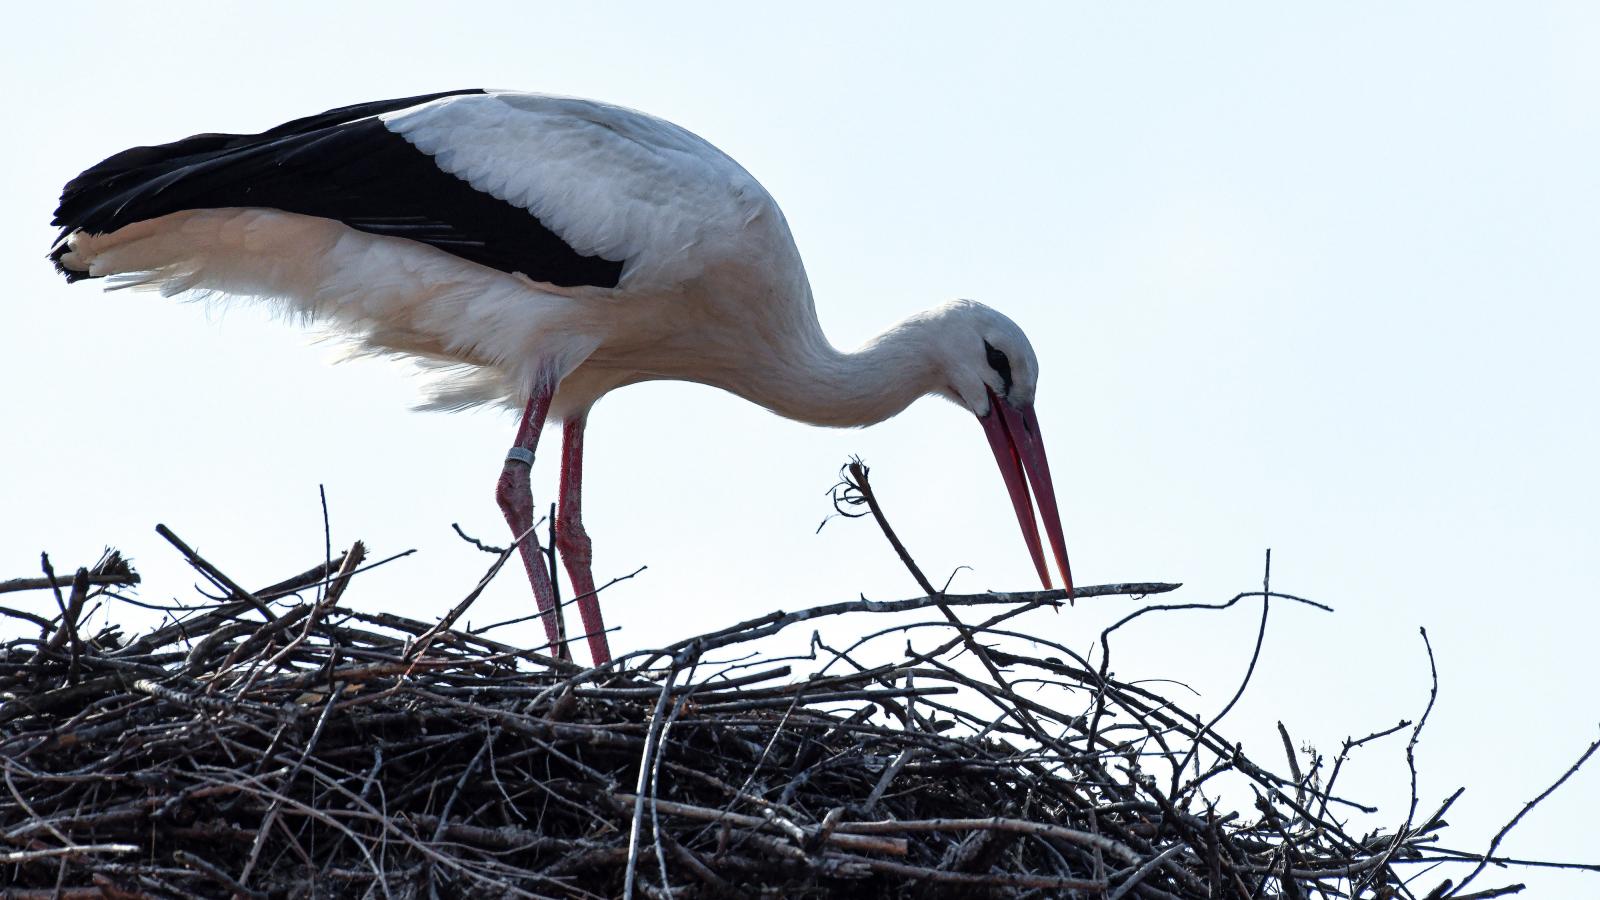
(342, 164)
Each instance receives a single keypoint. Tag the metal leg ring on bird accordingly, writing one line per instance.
(515, 495)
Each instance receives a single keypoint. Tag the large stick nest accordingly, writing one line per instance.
(275, 743)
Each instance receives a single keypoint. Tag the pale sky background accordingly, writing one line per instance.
(1316, 280)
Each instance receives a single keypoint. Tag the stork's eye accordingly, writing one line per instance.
(1000, 364)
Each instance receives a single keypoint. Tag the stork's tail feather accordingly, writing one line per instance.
(118, 191)
(58, 255)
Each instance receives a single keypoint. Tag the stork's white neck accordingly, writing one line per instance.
(816, 383)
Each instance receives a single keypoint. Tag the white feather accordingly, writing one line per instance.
(662, 189)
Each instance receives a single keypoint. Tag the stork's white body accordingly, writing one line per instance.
(548, 249)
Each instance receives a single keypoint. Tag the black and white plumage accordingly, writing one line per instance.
(557, 249)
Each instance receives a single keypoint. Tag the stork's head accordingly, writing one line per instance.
(990, 368)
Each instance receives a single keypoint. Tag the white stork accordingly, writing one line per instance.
(555, 249)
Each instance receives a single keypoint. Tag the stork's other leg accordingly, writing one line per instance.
(573, 542)
(515, 495)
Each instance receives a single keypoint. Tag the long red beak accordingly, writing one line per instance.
(1019, 449)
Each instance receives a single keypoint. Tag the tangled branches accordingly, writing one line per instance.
(278, 743)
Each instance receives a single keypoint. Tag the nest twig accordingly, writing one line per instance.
(271, 744)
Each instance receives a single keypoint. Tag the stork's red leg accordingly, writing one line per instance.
(573, 542)
(515, 495)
